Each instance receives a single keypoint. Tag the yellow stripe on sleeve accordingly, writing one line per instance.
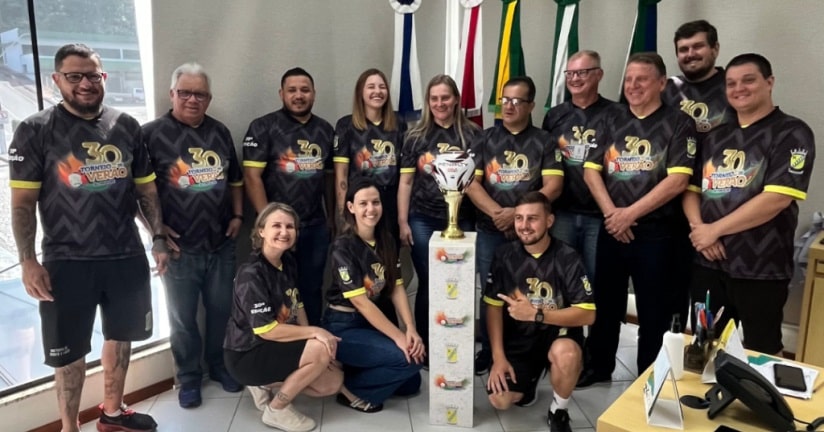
(354, 293)
(585, 306)
(784, 190)
(143, 180)
(407, 170)
(21, 184)
(694, 188)
(493, 302)
(254, 164)
(593, 165)
(552, 172)
(264, 329)
(679, 170)
(340, 159)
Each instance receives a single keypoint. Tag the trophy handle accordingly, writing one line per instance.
(453, 202)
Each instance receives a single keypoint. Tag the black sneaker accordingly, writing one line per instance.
(558, 421)
(226, 380)
(483, 359)
(127, 421)
(589, 377)
(530, 395)
(189, 395)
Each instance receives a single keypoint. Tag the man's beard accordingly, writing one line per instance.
(85, 109)
(296, 114)
(698, 73)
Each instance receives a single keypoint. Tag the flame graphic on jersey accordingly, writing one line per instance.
(563, 145)
(288, 162)
(284, 314)
(179, 174)
(491, 172)
(716, 183)
(69, 172)
(368, 283)
(363, 159)
(425, 162)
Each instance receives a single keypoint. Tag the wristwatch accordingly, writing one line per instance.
(539, 316)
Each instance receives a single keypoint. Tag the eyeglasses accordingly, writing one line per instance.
(515, 102)
(76, 77)
(186, 94)
(583, 73)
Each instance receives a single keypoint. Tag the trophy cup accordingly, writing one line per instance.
(453, 171)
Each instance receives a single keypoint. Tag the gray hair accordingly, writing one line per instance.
(190, 69)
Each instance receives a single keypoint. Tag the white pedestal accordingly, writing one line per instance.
(451, 348)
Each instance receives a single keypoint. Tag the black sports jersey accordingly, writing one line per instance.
(705, 101)
(264, 296)
(293, 156)
(639, 153)
(511, 164)
(574, 130)
(373, 152)
(417, 157)
(195, 168)
(553, 280)
(356, 270)
(86, 171)
(774, 154)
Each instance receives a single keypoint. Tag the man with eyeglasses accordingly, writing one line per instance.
(200, 184)
(511, 158)
(287, 157)
(574, 125)
(86, 168)
(637, 173)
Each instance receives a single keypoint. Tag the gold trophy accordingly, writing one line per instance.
(454, 171)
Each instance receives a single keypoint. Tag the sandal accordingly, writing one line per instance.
(358, 404)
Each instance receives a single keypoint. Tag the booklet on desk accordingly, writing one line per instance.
(765, 368)
(730, 342)
(662, 412)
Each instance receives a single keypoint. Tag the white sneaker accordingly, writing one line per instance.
(260, 395)
(287, 419)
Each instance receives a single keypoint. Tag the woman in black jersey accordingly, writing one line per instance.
(379, 359)
(368, 143)
(269, 345)
(421, 207)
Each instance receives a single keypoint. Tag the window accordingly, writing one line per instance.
(110, 28)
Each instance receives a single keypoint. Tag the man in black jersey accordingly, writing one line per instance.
(287, 157)
(84, 165)
(574, 125)
(510, 159)
(637, 172)
(741, 204)
(700, 92)
(200, 185)
(541, 283)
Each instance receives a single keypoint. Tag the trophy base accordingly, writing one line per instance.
(452, 233)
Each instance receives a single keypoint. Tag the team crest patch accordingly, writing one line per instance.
(343, 271)
(692, 147)
(559, 156)
(587, 285)
(798, 158)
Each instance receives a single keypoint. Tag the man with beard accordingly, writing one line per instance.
(547, 295)
(699, 92)
(285, 154)
(86, 168)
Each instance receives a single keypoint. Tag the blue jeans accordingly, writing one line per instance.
(422, 227)
(581, 232)
(187, 278)
(648, 260)
(374, 368)
(312, 249)
(488, 243)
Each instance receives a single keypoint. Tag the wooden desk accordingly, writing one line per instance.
(811, 327)
(626, 414)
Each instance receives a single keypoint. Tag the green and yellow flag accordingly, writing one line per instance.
(510, 61)
(566, 44)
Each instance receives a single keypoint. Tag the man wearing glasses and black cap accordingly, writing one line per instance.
(511, 159)
(200, 184)
(85, 166)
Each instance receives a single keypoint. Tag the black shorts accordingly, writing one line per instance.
(265, 364)
(757, 304)
(530, 360)
(120, 287)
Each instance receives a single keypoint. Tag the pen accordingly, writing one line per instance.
(718, 315)
(707, 303)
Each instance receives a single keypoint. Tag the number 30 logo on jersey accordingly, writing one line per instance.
(102, 167)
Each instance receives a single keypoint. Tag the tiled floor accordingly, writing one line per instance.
(234, 412)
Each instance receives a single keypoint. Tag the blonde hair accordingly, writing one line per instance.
(260, 221)
(389, 122)
(427, 123)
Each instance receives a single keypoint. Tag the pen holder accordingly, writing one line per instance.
(699, 352)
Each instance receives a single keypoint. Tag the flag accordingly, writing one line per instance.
(644, 33)
(406, 73)
(510, 61)
(469, 73)
(566, 44)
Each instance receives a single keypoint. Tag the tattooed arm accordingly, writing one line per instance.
(24, 225)
(149, 206)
